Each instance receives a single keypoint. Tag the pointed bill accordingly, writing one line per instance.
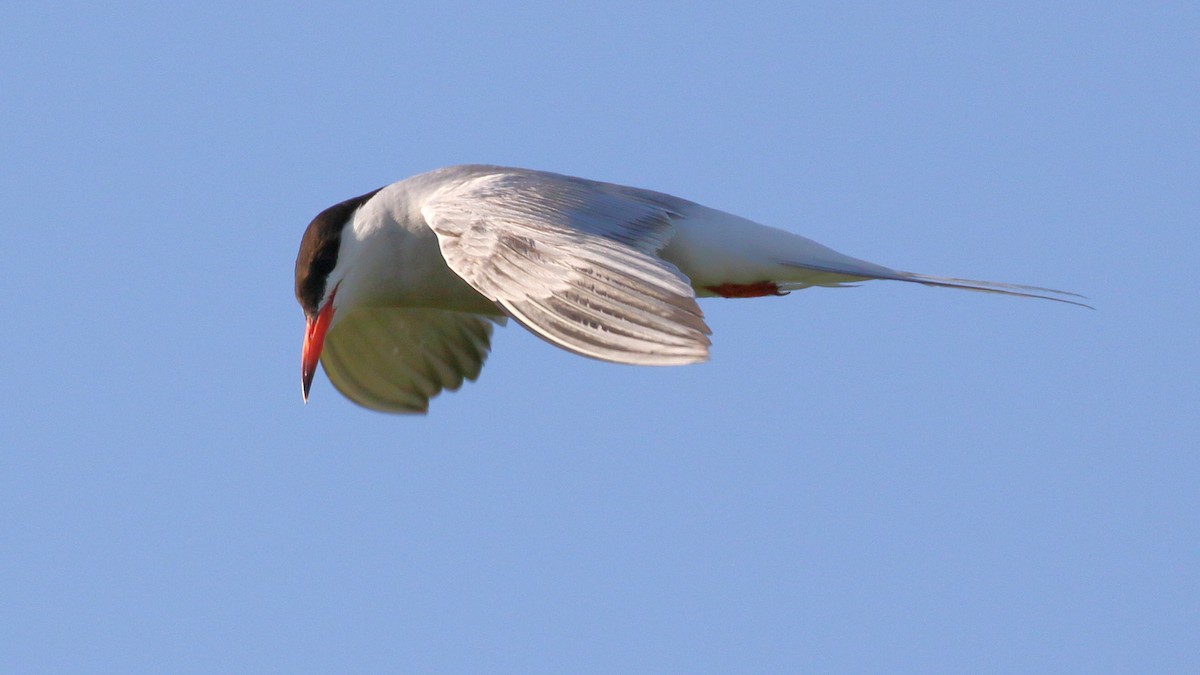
(314, 341)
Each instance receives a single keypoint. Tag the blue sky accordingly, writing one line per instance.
(886, 478)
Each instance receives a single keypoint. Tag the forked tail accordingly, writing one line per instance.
(1019, 290)
(995, 287)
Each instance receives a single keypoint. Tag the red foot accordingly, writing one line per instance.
(755, 290)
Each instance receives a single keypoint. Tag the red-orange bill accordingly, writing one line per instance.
(314, 341)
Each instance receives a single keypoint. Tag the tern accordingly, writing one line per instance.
(402, 286)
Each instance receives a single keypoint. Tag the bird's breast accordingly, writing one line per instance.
(399, 267)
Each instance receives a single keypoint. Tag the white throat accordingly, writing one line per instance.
(389, 257)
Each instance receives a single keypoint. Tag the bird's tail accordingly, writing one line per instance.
(1019, 290)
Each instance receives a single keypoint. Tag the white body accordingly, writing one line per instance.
(398, 261)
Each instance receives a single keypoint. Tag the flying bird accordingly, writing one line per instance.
(402, 286)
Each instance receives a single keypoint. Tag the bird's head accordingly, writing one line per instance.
(320, 270)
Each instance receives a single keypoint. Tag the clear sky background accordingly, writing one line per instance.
(888, 478)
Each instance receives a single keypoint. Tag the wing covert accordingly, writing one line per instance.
(575, 262)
